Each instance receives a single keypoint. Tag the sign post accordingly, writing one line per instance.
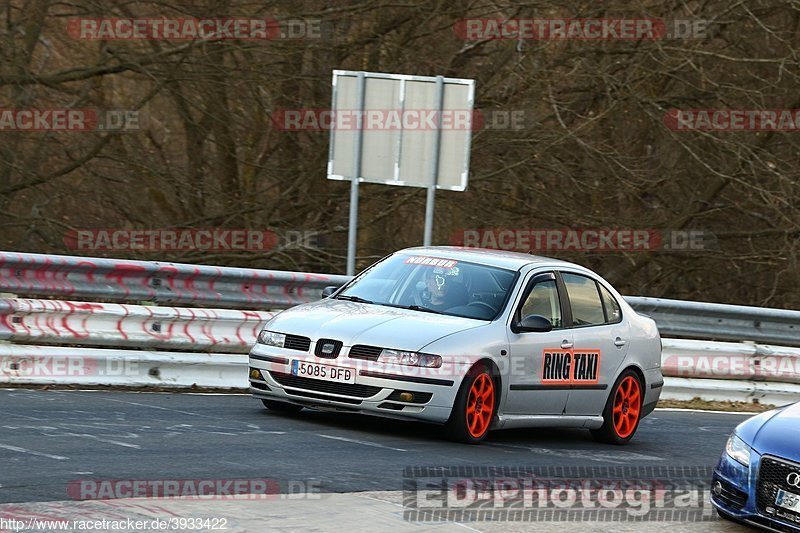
(397, 129)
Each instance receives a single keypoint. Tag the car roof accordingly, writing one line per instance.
(485, 256)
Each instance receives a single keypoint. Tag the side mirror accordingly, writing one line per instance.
(327, 291)
(532, 323)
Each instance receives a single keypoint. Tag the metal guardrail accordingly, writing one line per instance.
(699, 320)
(61, 365)
(241, 288)
(692, 369)
(164, 283)
(57, 322)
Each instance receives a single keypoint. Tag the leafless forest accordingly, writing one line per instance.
(594, 151)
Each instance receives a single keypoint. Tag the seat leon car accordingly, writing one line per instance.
(471, 339)
(757, 478)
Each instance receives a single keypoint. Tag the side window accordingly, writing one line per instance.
(613, 312)
(543, 300)
(587, 309)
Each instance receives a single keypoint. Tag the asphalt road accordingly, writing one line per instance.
(51, 438)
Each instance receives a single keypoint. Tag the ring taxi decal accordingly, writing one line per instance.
(569, 367)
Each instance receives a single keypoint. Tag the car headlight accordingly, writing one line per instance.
(738, 450)
(271, 338)
(400, 357)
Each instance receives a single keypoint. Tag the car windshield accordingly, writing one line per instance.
(434, 285)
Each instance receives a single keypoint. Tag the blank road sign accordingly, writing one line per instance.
(400, 128)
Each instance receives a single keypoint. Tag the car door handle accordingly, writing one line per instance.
(566, 345)
(619, 342)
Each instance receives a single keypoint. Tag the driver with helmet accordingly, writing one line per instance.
(443, 289)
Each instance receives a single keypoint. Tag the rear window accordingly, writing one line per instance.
(584, 299)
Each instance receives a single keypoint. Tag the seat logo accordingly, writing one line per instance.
(793, 480)
(327, 348)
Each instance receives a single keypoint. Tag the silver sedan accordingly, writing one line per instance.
(472, 339)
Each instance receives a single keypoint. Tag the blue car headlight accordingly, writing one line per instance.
(738, 450)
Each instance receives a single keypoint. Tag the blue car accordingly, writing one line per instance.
(757, 479)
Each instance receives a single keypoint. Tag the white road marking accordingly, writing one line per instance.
(363, 442)
(32, 452)
(160, 408)
(618, 458)
(107, 441)
(63, 431)
(24, 416)
(679, 410)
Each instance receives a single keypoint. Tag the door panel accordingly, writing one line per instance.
(601, 343)
(537, 363)
(537, 358)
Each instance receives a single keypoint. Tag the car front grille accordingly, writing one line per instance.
(328, 348)
(772, 476)
(362, 351)
(297, 342)
(317, 385)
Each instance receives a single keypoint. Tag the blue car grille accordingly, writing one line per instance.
(772, 476)
(730, 495)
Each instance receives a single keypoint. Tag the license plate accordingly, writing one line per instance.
(788, 500)
(323, 372)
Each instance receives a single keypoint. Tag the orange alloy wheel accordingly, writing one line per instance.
(627, 404)
(480, 405)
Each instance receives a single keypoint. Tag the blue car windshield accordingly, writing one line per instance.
(434, 285)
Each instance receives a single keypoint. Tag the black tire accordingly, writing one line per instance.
(457, 426)
(282, 407)
(610, 432)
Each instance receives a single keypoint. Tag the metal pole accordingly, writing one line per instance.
(434, 171)
(352, 232)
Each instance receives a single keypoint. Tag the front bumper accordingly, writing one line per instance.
(735, 493)
(376, 390)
